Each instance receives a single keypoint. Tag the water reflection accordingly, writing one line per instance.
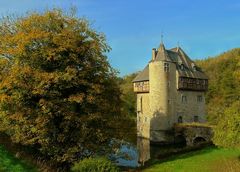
(128, 156)
(134, 155)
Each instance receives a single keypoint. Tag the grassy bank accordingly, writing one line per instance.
(9, 163)
(210, 159)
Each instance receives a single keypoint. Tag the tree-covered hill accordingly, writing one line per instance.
(128, 96)
(224, 82)
(223, 96)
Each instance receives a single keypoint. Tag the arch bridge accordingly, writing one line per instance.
(193, 133)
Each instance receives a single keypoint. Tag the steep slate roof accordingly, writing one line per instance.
(189, 65)
(178, 56)
(143, 75)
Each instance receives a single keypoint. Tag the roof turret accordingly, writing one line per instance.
(162, 53)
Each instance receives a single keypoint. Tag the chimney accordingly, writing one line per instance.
(153, 53)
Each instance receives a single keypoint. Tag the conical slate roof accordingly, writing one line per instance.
(162, 53)
(184, 65)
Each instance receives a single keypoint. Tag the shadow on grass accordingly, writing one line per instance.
(9, 163)
(181, 155)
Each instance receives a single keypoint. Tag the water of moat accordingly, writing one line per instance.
(136, 154)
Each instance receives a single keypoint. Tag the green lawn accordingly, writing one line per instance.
(8, 163)
(206, 160)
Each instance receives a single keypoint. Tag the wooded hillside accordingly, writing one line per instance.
(224, 82)
(128, 96)
(223, 97)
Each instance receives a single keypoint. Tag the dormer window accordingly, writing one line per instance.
(166, 67)
(194, 67)
(182, 67)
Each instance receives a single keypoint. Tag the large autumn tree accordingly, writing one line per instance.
(58, 92)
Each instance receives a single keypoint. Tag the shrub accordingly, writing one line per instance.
(100, 164)
(227, 130)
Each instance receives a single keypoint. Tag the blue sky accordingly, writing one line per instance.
(133, 27)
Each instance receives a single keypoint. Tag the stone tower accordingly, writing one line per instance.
(161, 76)
(169, 90)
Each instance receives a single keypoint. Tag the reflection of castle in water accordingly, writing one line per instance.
(143, 146)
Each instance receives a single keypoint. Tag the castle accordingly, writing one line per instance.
(170, 90)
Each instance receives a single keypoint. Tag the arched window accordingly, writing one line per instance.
(180, 120)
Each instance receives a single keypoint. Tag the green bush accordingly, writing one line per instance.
(227, 130)
(99, 164)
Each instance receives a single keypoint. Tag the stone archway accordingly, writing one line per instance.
(180, 140)
(199, 140)
(194, 134)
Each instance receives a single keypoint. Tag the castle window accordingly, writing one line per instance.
(195, 119)
(139, 106)
(199, 98)
(166, 67)
(145, 119)
(184, 99)
(180, 120)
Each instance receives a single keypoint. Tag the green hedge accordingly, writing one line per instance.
(100, 164)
